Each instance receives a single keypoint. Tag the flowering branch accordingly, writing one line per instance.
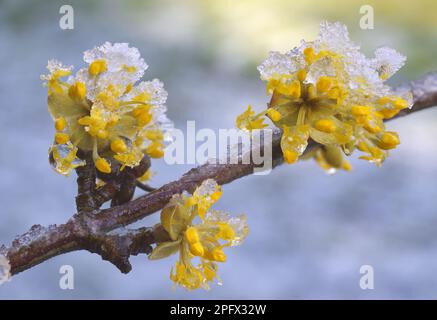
(103, 232)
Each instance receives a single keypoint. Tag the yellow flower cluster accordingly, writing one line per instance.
(204, 240)
(327, 91)
(101, 110)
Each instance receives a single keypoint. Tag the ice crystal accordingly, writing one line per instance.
(36, 233)
(207, 188)
(120, 57)
(387, 61)
(277, 64)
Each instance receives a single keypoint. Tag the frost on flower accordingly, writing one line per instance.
(204, 240)
(5, 269)
(387, 61)
(328, 91)
(102, 109)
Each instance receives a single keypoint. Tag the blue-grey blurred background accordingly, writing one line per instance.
(309, 232)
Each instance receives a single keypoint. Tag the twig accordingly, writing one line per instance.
(144, 187)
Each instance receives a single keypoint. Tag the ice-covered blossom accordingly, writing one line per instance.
(5, 269)
(204, 240)
(103, 110)
(328, 91)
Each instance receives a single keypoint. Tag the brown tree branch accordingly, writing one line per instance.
(116, 247)
(102, 232)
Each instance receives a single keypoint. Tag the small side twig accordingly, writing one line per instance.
(145, 187)
(86, 183)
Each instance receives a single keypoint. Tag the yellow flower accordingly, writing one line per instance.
(57, 70)
(205, 196)
(204, 240)
(101, 110)
(327, 91)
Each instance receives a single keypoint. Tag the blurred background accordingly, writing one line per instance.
(309, 232)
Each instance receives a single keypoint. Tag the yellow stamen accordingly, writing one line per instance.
(346, 165)
(274, 114)
(388, 113)
(226, 232)
(290, 156)
(389, 140)
(334, 93)
(144, 119)
(400, 103)
(272, 85)
(84, 121)
(323, 84)
(60, 124)
(54, 87)
(118, 145)
(97, 67)
(218, 255)
(154, 134)
(155, 150)
(384, 100)
(128, 88)
(372, 128)
(191, 201)
(140, 110)
(301, 75)
(309, 54)
(77, 91)
(61, 73)
(294, 89)
(197, 249)
(143, 115)
(209, 273)
(362, 146)
(192, 235)
(61, 138)
(103, 165)
(325, 125)
(359, 111)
